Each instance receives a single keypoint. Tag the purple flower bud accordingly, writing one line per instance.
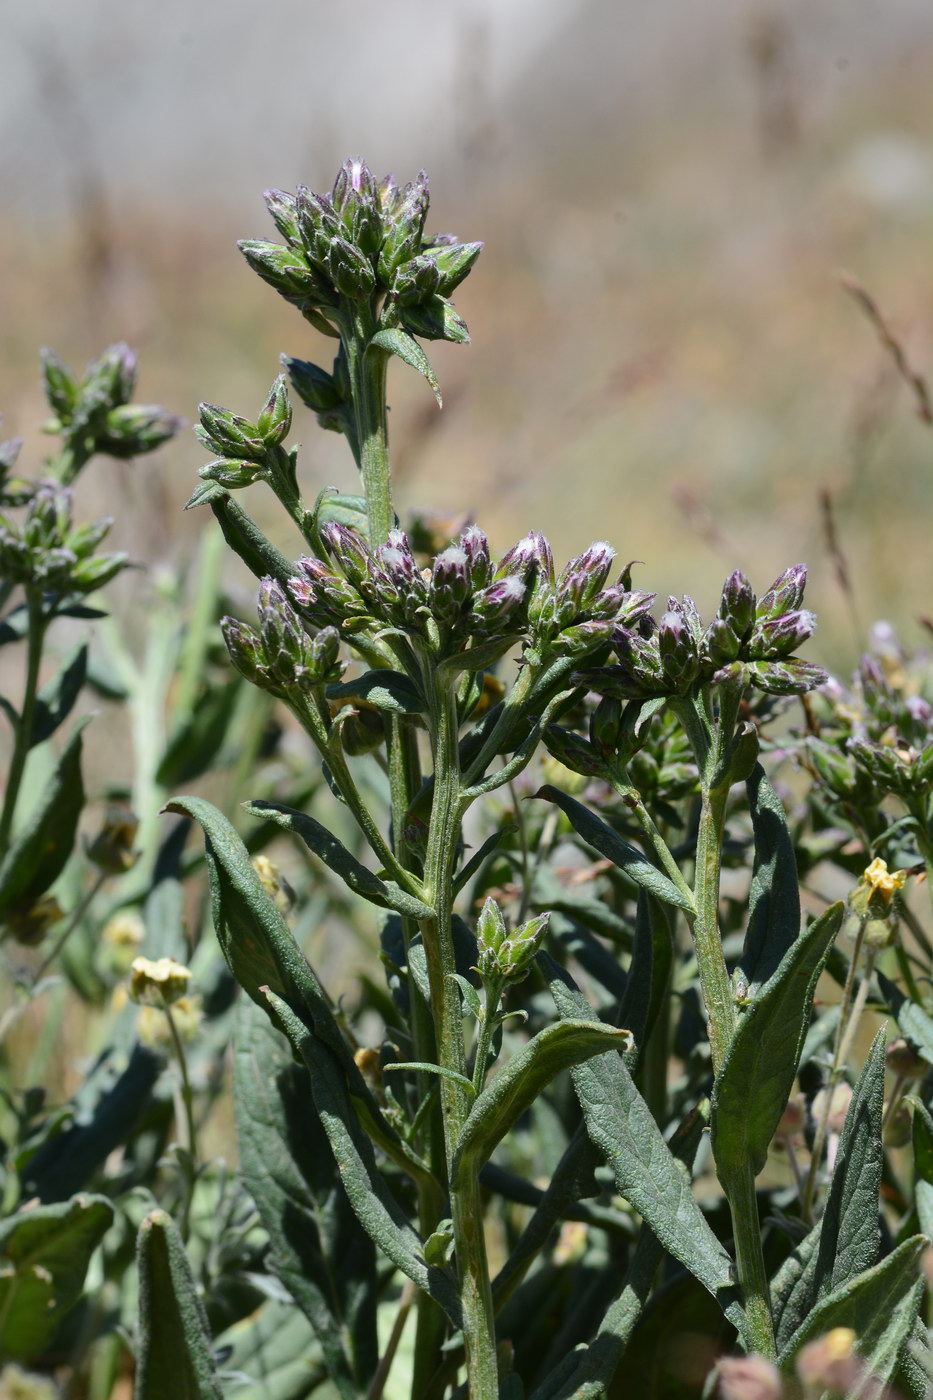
(581, 580)
(323, 596)
(348, 549)
(502, 600)
(677, 647)
(521, 558)
(284, 211)
(397, 559)
(920, 710)
(785, 593)
(350, 272)
(245, 651)
(785, 677)
(779, 636)
(450, 582)
(737, 605)
(475, 546)
(282, 634)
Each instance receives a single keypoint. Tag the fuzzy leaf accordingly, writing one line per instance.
(756, 1076)
(247, 541)
(880, 1305)
(396, 342)
(649, 972)
(844, 1242)
(195, 744)
(373, 1203)
(276, 1349)
(174, 1359)
(627, 857)
(44, 1254)
(391, 691)
(620, 1124)
(384, 893)
(774, 898)
(912, 1021)
(318, 1249)
(57, 697)
(516, 1086)
(40, 851)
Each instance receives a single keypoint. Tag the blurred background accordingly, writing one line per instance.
(662, 352)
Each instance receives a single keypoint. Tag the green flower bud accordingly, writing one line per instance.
(283, 208)
(135, 429)
(350, 272)
(112, 848)
(61, 389)
(275, 420)
(435, 319)
(229, 434)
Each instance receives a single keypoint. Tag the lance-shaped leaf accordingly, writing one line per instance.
(40, 851)
(880, 1306)
(621, 1125)
(373, 1203)
(774, 898)
(629, 858)
(514, 1089)
(262, 954)
(318, 1248)
(174, 1358)
(57, 697)
(397, 342)
(44, 1254)
(649, 972)
(757, 1073)
(923, 1166)
(246, 539)
(913, 1022)
(391, 691)
(274, 1354)
(844, 1242)
(384, 893)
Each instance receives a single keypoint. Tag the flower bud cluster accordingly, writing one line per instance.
(282, 658)
(95, 412)
(503, 954)
(576, 612)
(48, 552)
(14, 490)
(749, 640)
(246, 452)
(364, 240)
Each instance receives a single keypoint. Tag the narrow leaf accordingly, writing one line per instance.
(756, 1076)
(318, 1249)
(649, 971)
(514, 1089)
(247, 541)
(397, 342)
(621, 1125)
(385, 893)
(913, 1022)
(44, 1254)
(57, 697)
(880, 1306)
(608, 843)
(844, 1242)
(274, 1354)
(774, 898)
(374, 1205)
(39, 853)
(174, 1360)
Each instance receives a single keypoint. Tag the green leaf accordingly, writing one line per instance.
(912, 1021)
(774, 898)
(646, 1173)
(516, 1086)
(276, 1349)
(247, 541)
(40, 852)
(478, 658)
(387, 690)
(174, 1359)
(627, 857)
(649, 972)
(756, 1076)
(195, 744)
(343, 510)
(396, 342)
(57, 697)
(844, 1242)
(923, 1166)
(880, 1305)
(263, 956)
(203, 494)
(44, 1254)
(384, 893)
(373, 1203)
(318, 1249)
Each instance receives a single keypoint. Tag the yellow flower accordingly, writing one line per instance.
(158, 983)
(883, 883)
(124, 931)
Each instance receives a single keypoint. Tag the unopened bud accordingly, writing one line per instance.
(112, 848)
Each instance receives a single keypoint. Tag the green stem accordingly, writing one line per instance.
(367, 371)
(188, 1100)
(753, 1276)
(487, 1026)
(76, 917)
(715, 986)
(656, 842)
(23, 741)
(465, 1202)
